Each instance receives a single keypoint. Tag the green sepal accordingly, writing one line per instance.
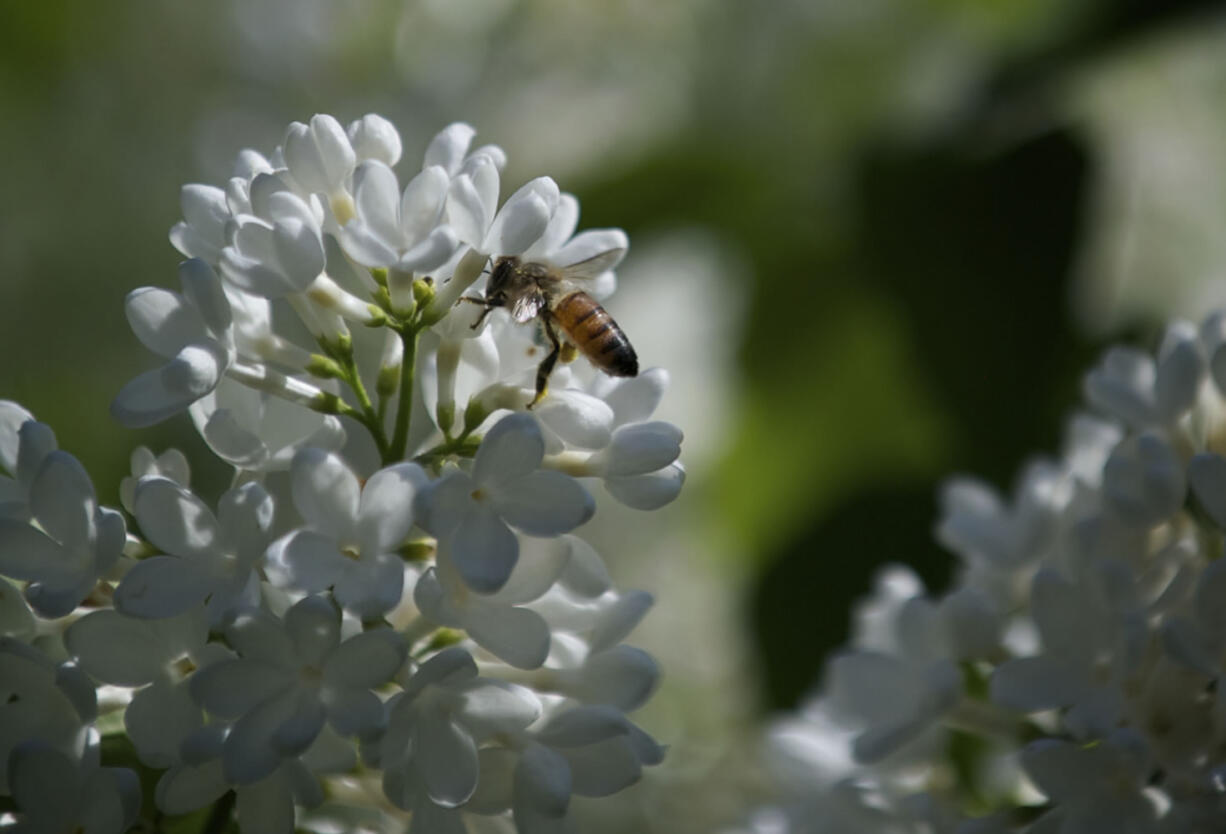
(423, 291)
(378, 317)
(474, 415)
(446, 417)
(379, 273)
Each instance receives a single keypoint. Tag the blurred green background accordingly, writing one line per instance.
(876, 242)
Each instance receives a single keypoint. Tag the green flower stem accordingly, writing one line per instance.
(404, 404)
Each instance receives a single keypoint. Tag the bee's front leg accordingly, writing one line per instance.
(484, 302)
(546, 367)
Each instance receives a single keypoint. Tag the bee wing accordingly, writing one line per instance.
(594, 266)
(526, 307)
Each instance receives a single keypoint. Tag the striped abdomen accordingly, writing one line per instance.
(595, 333)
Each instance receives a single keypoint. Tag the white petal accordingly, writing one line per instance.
(591, 243)
(305, 560)
(163, 320)
(448, 146)
(648, 492)
(487, 707)
(12, 416)
(542, 783)
(365, 661)
(158, 718)
(173, 519)
(16, 621)
(494, 786)
(641, 448)
(356, 712)
(431, 253)
(450, 762)
(326, 492)
(585, 574)
(259, 635)
(580, 419)
(62, 499)
(544, 503)
(314, 626)
(184, 788)
(30, 555)
(374, 137)
(202, 288)
(447, 668)
(363, 245)
(372, 586)
(120, 650)
(422, 203)
(385, 513)
(298, 731)
(517, 635)
(635, 400)
(41, 779)
(1030, 684)
(620, 619)
(249, 755)
(623, 677)
(228, 439)
(267, 806)
(561, 227)
(1207, 477)
(162, 586)
(466, 213)
(377, 201)
(163, 392)
(1182, 366)
(482, 548)
(512, 448)
(541, 562)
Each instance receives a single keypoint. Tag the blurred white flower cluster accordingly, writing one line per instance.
(388, 611)
(1071, 681)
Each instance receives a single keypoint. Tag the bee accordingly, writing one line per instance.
(535, 290)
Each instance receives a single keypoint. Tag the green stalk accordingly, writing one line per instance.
(404, 403)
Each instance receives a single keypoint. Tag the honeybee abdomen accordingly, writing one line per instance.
(596, 334)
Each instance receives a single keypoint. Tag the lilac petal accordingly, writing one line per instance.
(585, 574)
(363, 245)
(451, 776)
(488, 707)
(448, 146)
(40, 779)
(36, 441)
(1030, 684)
(591, 243)
(467, 214)
(259, 636)
(249, 755)
(544, 503)
(374, 137)
(620, 619)
(245, 514)
(422, 202)
(228, 439)
(62, 499)
(155, 395)
(326, 492)
(162, 586)
(561, 226)
(356, 712)
(541, 562)
(232, 688)
(15, 618)
(513, 448)
(431, 253)
(604, 768)
(386, 508)
(158, 718)
(314, 625)
(376, 200)
(623, 677)
(542, 783)
(648, 492)
(445, 502)
(495, 784)
(364, 661)
(164, 321)
(305, 560)
(372, 586)
(580, 419)
(30, 555)
(635, 400)
(640, 448)
(517, 635)
(520, 223)
(447, 668)
(267, 806)
(483, 550)
(184, 788)
(202, 288)
(12, 417)
(297, 732)
(126, 651)
(1207, 477)
(173, 519)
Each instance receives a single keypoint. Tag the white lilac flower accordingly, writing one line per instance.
(435, 727)
(321, 159)
(56, 795)
(395, 230)
(291, 677)
(202, 556)
(192, 330)
(74, 543)
(259, 430)
(352, 532)
(171, 464)
(42, 702)
(30, 442)
(474, 511)
(374, 137)
(131, 652)
(277, 248)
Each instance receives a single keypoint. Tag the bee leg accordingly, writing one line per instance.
(485, 302)
(569, 353)
(546, 367)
